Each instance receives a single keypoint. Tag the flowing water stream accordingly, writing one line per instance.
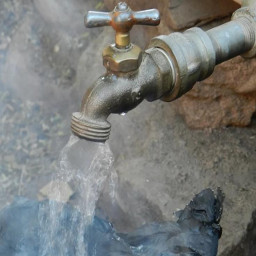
(69, 228)
(85, 166)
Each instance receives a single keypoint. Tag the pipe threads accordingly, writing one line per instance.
(98, 131)
(248, 29)
(247, 18)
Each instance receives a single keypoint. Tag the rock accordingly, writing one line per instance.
(226, 98)
(247, 244)
(205, 158)
(49, 228)
(59, 191)
(128, 208)
(189, 13)
(202, 213)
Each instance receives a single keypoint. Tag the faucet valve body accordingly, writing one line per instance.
(122, 56)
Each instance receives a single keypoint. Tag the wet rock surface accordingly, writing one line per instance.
(25, 223)
(160, 162)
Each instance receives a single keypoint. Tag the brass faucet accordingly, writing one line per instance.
(169, 68)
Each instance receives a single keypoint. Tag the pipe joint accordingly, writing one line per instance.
(192, 55)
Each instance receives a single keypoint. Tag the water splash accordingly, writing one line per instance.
(85, 166)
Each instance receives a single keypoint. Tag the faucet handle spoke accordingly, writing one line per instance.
(97, 19)
(147, 17)
(122, 19)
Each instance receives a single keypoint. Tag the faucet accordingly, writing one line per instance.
(166, 70)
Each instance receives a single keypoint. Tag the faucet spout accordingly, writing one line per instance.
(119, 93)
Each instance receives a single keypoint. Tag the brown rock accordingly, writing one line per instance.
(226, 98)
(189, 13)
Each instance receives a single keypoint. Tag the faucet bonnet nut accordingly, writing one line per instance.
(122, 60)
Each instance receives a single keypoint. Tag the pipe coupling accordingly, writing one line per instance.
(193, 57)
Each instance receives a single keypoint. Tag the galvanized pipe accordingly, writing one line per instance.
(232, 39)
(195, 53)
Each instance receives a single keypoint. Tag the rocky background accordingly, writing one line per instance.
(48, 59)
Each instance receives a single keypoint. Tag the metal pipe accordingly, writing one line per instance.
(232, 39)
(167, 70)
(196, 52)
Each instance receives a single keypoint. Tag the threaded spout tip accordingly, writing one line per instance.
(86, 129)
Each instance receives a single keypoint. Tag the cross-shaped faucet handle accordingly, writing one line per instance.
(122, 19)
